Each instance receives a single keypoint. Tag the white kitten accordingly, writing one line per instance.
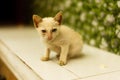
(59, 38)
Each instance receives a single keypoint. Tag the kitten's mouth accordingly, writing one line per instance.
(49, 39)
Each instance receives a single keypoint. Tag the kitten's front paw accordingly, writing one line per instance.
(61, 63)
(45, 58)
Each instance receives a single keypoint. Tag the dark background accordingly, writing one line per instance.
(15, 11)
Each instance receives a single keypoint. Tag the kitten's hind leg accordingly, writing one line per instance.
(46, 56)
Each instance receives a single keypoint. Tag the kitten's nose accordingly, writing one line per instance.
(49, 36)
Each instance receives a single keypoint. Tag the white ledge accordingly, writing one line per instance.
(21, 50)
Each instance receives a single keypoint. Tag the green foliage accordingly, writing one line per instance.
(97, 20)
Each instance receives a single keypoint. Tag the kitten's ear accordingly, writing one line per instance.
(36, 20)
(58, 17)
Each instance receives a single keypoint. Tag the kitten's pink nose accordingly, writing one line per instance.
(49, 36)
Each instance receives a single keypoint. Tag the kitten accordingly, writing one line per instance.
(59, 38)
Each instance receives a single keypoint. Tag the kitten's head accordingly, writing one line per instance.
(48, 27)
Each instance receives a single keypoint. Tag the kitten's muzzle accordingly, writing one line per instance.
(49, 36)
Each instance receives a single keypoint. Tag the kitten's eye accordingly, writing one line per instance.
(43, 31)
(54, 30)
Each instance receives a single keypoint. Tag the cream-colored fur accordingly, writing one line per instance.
(59, 38)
